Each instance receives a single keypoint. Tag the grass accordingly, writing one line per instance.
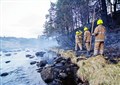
(96, 70)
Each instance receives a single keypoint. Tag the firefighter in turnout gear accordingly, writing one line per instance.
(87, 39)
(99, 34)
(78, 40)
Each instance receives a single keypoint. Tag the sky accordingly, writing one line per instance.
(23, 18)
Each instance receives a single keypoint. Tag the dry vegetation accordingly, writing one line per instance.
(96, 70)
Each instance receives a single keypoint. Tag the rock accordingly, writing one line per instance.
(59, 55)
(47, 74)
(58, 59)
(28, 55)
(18, 50)
(15, 53)
(27, 50)
(7, 61)
(5, 51)
(33, 62)
(40, 54)
(31, 57)
(56, 82)
(113, 61)
(58, 65)
(42, 63)
(39, 70)
(62, 72)
(4, 74)
(63, 75)
(63, 62)
(0, 55)
(8, 54)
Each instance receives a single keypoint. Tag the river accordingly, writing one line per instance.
(19, 70)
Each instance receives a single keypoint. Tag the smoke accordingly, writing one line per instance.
(46, 43)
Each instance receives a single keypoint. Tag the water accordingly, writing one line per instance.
(19, 69)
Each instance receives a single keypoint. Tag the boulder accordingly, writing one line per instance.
(15, 53)
(39, 70)
(7, 61)
(31, 57)
(55, 82)
(4, 74)
(27, 50)
(33, 62)
(40, 54)
(42, 63)
(28, 55)
(62, 72)
(63, 75)
(9, 54)
(58, 60)
(47, 74)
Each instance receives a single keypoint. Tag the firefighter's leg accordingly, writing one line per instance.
(76, 46)
(101, 48)
(88, 48)
(96, 48)
(80, 45)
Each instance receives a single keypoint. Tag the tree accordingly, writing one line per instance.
(104, 11)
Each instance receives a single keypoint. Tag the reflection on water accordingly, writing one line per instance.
(19, 70)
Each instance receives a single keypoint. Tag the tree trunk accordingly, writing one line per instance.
(111, 10)
(104, 11)
(115, 5)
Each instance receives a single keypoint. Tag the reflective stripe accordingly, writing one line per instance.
(95, 49)
(87, 41)
(99, 40)
(95, 52)
(101, 32)
(101, 52)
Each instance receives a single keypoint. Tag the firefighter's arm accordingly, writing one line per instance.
(85, 37)
(95, 31)
(105, 33)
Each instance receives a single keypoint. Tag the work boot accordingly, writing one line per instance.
(76, 52)
(88, 54)
(95, 53)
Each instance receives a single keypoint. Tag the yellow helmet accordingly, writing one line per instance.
(99, 22)
(77, 32)
(85, 28)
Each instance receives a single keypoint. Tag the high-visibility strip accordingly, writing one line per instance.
(87, 42)
(101, 32)
(99, 40)
(95, 52)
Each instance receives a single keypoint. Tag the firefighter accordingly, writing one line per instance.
(78, 40)
(87, 39)
(99, 34)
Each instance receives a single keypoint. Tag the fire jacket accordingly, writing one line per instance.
(99, 33)
(87, 36)
(78, 38)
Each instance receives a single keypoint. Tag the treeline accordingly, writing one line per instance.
(7, 43)
(66, 16)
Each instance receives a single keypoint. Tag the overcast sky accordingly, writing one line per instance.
(23, 18)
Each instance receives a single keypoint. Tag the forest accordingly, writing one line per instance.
(67, 16)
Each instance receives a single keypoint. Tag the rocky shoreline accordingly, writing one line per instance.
(62, 67)
(67, 69)
(62, 72)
